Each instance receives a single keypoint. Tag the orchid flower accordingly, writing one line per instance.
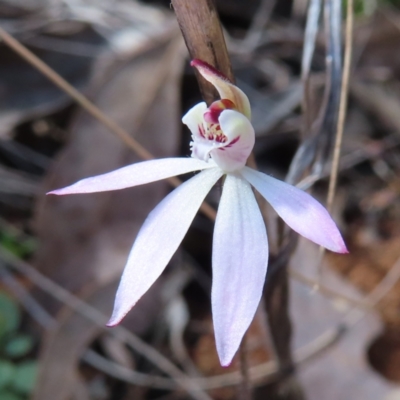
(223, 139)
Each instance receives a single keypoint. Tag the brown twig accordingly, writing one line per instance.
(256, 29)
(342, 105)
(218, 59)
(34, 309)
(91, 108)
(245, 385)
(377, 294)
(327, 292)
(74, 93)
(202, 31)
(276, 298)
(100, 319)
(260, 374)
(340, 124)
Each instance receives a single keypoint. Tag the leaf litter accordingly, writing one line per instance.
(83, 242)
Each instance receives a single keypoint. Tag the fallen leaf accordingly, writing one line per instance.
(85, 240)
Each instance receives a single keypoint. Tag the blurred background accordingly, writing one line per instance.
(61, 258)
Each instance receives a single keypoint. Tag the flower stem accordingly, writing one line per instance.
(202, 31)
(245, 386)
(276, 297)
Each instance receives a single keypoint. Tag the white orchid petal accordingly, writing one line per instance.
(195, 118)
(158, 239)
(134, 175)
(201, 149)
(233, 154)
(299, 210)
(226, 89)
(240, 259)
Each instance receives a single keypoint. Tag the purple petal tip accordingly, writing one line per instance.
(199, 64)
(226, 364)
(344, 250)
(340, 246)
(59, 192)
(116, 317)
(113, 322)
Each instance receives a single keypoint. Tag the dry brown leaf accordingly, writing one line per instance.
(63, 347)
(342, 372)
(384, 103)
(77, 233)
(85, 240)
(206, 358)
(366, 266)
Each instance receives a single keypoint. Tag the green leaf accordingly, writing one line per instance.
(25, 377)
(18, 346)
(395, 3)
(9, 396)
(7, 371)
(9, 315)
(15, 243)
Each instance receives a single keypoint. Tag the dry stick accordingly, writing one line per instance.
(260, 374)
(202, 31)
(98, 318)
(48, 322)
(95, 112)
(277, 293)
(74, 93)
(99, 115)
(266, 372)
(324, 341)
(245, 386)
(341, 120)
(310, 38)
(204, 38)
(276, 298)
(121, 133)
(217, 58)
(327, 292)
(376, 295)
(342, 105)
(91, 108)
(32, 306)
(91, 313)
(355, 315)
(255, 31)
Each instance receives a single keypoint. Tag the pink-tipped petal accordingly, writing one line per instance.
(240, 259)
(226, 89)
(134, 175)
(232, 155)
(158, 239)
(194, 118)
(299, 210)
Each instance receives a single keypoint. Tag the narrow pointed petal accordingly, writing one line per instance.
(194, 118)
(240, 259)
(299, 210)
(158, 239)
(134, 175)
(226, 89)
(233, 154)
